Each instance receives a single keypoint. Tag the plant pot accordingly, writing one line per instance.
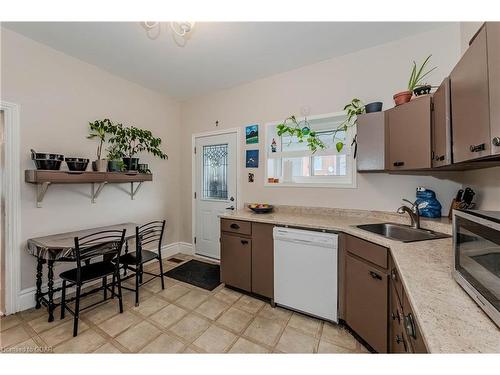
(77, 164)
(402, 97)
(422, 90)
(373, 107)
(131, 164)
(100, 165)
(115, 165)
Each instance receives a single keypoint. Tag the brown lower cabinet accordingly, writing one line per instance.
(247, 256)
(375, 305)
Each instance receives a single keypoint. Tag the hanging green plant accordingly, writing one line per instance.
(303, 134)
(353, 109)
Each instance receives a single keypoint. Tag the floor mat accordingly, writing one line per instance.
(200, 274)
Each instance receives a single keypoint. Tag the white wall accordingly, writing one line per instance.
(58, 95)
(373, 74)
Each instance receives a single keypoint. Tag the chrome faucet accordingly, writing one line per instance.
(412, 211)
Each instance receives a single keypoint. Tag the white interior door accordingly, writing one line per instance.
(215, 189)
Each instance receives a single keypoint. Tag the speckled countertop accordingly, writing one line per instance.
(449, 319)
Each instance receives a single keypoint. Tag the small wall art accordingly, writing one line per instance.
(252, 134)
(252, 159)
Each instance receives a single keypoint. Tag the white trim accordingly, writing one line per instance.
(11, 185)
(193, 173)
(26, 297)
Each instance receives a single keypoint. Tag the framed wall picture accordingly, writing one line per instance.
(252, 134)
(252, 158)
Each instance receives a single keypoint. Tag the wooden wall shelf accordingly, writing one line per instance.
(44, 178)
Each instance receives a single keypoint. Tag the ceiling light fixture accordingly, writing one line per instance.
(180, 29)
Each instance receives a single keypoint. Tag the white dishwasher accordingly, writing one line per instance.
(305, 271)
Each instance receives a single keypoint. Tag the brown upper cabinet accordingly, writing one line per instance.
(441, 126)
(371, 136)
(409, 135)
(475, 97)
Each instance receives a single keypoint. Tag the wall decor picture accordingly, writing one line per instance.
(252, 134)
(252, 158)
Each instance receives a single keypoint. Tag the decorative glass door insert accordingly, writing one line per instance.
(215, 163)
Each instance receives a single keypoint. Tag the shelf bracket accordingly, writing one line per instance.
(133, 191)
(95, 193)
(41, 189)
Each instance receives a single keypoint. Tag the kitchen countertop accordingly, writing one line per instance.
(450, 321)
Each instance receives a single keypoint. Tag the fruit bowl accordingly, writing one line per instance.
(260, 208)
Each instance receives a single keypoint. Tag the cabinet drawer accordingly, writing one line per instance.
(411, 328)
(236, 226)
(397, 341)
(236, 261)
(366, 302)
(367, 250)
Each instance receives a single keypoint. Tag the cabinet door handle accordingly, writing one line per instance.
(234, 226)
(496, 141)
(394, 274)
(477, 148)
(410, 326)
(375, 275)
(244, 242)
(398, 163)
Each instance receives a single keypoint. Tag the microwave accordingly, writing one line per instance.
(476, 248)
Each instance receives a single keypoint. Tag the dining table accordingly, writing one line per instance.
(60, 247)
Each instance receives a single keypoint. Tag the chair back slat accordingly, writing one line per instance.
(108, 243)
(149, 233)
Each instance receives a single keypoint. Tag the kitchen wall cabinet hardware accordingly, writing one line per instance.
(97, 180)
(475, 97)
(371, 139)
(247, 256)
(409, 135)
(441, 126)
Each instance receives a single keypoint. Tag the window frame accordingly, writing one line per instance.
(340, 182)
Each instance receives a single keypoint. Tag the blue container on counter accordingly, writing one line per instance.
(428, 205)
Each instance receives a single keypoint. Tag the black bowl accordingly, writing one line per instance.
(373, 107)
(45, 156)
(77, 164)
(263, 210)
(46, 164)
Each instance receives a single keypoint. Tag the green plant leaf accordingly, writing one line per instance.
(339, 146)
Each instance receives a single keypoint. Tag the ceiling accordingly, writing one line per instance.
(218, 55)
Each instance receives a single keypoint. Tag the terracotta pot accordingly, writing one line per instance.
(402, 97)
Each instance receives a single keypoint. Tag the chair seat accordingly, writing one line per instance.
(131, 258)
(91, 272)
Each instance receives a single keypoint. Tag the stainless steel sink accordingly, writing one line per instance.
(403, 233)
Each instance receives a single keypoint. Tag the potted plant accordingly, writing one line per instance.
(303, 133)
(115, 162)
(416, 77)
(131, 140)
(99, 129)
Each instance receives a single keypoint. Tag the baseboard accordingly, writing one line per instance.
(26, 297)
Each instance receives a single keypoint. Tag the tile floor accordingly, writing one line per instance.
(180, 319)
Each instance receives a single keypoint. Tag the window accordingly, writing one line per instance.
(215, 172)
(293, 164)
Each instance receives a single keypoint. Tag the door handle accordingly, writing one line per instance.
(230, 208)
(375, 275)
(398, 163)
(477, 148)
(244, 242)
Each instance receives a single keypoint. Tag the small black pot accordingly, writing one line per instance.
(373, 107)
(77, 164)
(131, 164)
(422, 90)
(115, 165)
(47, 161)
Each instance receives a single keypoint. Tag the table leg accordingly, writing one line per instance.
(50, 284)
(38, 296)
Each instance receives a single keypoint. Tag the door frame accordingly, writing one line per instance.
(11, 184)
(194, 136)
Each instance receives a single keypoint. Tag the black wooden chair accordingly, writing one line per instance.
(106, 244)
(150, 235)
